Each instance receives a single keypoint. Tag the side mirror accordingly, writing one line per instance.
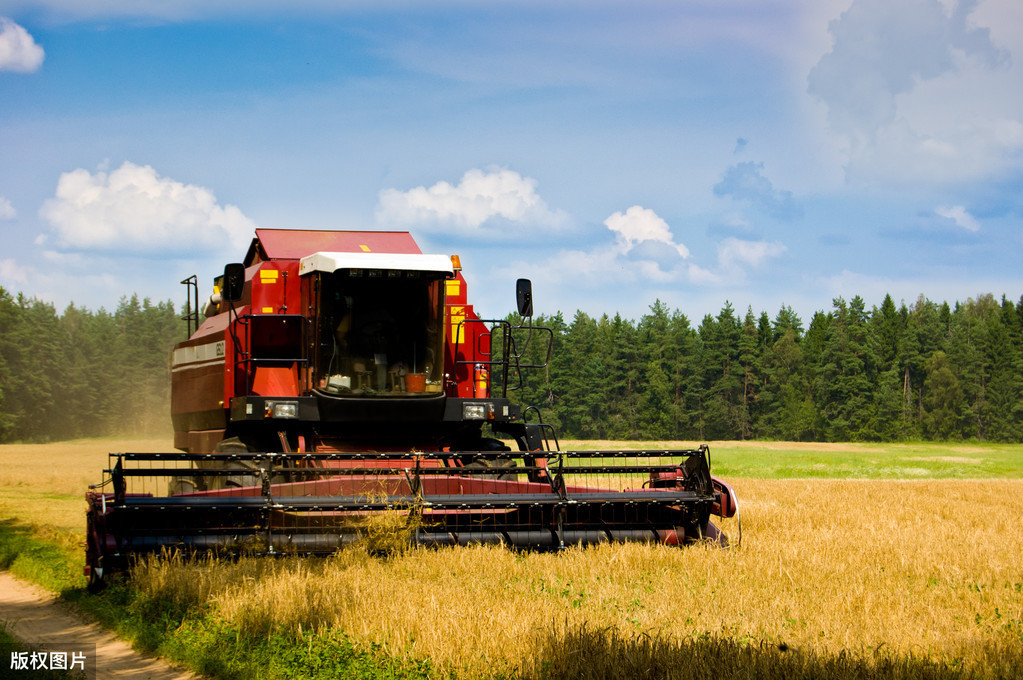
(524, 297)
(234, 282)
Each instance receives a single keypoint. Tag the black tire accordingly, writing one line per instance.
(181, 485)
(228, 447)
(94, 559)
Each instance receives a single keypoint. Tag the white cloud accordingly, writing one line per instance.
(883, 49)
(483, 202)
(638, 225)
(644, 254)
(703, 277)
(919, 91)
(600, 268)
(958, 214)
(643, 258)
(733, 252)
(11, 271)
(18, 50)
(94, 282)
(134, 209)
(7, 211)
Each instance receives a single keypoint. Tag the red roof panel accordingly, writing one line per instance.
(294, 244)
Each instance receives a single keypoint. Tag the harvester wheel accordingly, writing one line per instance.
(496, 468)
(244, 478)
(93, 559)
(180, 485)
(248, 475)
(96, 583)
(229, 446)
(501, 467)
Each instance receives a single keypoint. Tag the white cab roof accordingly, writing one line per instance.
(331, 262)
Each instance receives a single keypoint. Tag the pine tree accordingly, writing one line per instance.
(626, 389)
(722, 382)
(8, 320)
(846, 374)
(886, 333)
(749, 356)
(656, 353)
(584, 399)
(971, 335)
(943, 400)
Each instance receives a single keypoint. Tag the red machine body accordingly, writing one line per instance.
(388, 338)
(342, 374)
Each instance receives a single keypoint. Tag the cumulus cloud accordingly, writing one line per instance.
(18, 50)
(917, 91)
(745, 182)
(7, 211)
(482, 202)
(134, 209)
(639, 225)
(883, 49)
(645, 250)
(958, 214)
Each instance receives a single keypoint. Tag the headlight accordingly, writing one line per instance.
(474, 411)
(282, 409)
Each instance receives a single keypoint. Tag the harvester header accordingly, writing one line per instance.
(342, 374)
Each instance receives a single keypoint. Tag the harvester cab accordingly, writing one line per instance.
(338, 376)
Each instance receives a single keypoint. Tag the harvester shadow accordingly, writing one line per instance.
(611, 654)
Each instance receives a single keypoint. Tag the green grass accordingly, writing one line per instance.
(869, 461)
(50, 558)
(798, 460)
(187, 633)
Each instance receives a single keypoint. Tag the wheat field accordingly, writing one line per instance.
(44, 485)
(929, 569)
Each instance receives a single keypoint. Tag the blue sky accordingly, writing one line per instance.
(763, 152)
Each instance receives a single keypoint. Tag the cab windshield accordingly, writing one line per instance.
(380, 333)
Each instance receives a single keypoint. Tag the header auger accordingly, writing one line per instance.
(340, 375)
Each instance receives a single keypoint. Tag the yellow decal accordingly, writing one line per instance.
(457, 317)
(268, 276)
(453, 288)
(268, 310)
(365, 249)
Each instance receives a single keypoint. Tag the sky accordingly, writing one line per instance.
(765, 153)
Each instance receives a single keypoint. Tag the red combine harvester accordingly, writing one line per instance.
(340, 375)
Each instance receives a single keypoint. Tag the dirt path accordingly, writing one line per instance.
(35, 616)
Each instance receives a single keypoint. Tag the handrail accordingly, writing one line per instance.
(510, 360)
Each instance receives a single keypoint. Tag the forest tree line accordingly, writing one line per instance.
(907, 372)
(85, 374)
(922, 371)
